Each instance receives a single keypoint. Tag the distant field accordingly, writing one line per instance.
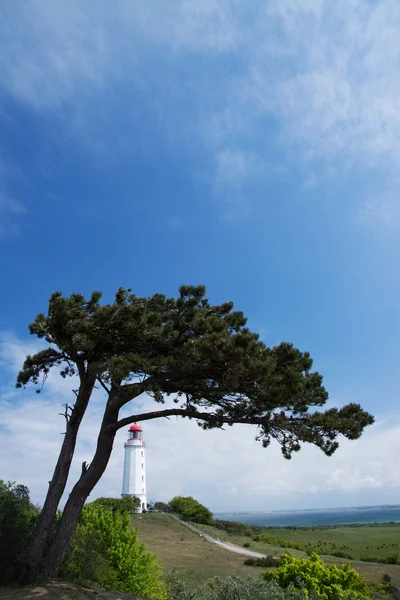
(376, 540)
(184, 554)
(191, 558)
(358, 541)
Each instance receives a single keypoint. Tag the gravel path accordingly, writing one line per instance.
(225, 545)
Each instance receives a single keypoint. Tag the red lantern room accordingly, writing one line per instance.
(135, 427)
(135, 432)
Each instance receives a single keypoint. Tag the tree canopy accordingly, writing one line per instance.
(190, 509)
(161, 506)
(217, 371)
(17, 518)
(203, 354)
(128, 503)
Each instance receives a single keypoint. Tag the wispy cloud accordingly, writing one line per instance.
(317, 79)
(336, 85)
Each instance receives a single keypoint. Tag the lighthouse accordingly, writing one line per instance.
(134, 479)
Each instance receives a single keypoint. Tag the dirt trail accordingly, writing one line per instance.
(226, 545)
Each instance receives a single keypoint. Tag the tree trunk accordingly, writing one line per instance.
(65, 532)
(44, 527)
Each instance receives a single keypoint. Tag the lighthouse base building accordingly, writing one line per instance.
(134, 478)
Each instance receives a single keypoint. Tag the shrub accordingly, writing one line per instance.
(161, 506)
(265, 561)
(189, 509)
(255, 588)
(274, 540)
(246, 545)
(340, 554)
(107, 552)
(17, 519)
(128, 503)
(331, 582)
(235, 588)
(392, 559)
(235, 528)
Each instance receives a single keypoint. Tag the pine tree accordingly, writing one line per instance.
(217, 370)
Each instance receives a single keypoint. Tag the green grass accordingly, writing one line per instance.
(184, 554)
(367, 540)
(357, 541)
(189, 557)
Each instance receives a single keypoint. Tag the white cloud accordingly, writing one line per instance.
(12, 356)
(324, 73)
(340, 91)
(224, 469)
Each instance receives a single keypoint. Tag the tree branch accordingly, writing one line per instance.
(192, 414)
(103, 385)
(66, 414)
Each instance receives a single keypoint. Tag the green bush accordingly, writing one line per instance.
(274, 540)
(17, 519)
(128, 503)
(253, 588)
(236, 588)
(234, 527)
(341, 554)
(161, 506)
(106, 551)
(329, 583)
(265, 561)
(392, 559)
(189, 509)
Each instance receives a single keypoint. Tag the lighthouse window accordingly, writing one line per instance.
(142, 478)
(142, 466)
(142, 490)
(142, 452)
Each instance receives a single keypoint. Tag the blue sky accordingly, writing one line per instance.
(252, 147)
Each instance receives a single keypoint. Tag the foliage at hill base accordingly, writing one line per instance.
(326, 582)
(256, 588)
(128, 503)
(235, 588)
(265, 562)
(107, 553)
(17, 519)
(235, 527)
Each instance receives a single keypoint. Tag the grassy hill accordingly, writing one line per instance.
(186, 555)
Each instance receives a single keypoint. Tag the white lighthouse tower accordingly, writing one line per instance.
(134, 480)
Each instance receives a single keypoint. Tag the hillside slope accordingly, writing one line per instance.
(186, 555)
